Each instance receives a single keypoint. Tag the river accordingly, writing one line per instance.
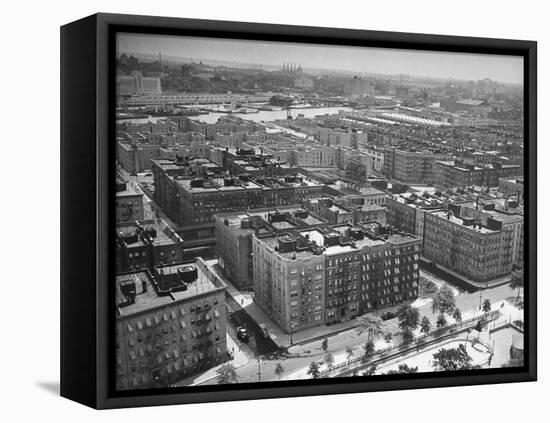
(261, 116)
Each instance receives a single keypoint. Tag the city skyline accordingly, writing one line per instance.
(440, 65)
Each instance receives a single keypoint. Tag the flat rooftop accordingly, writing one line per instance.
(465, 167)
(234, 219)
(164, 234)
(460, 221)
(149, 299)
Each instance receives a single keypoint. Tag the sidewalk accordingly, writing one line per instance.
(460, 279)
(240, 360)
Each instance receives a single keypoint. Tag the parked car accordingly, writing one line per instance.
(242, 334)
(388, 315)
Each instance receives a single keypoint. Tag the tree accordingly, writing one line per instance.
(313, 370)
(441, 321)
(388, 338)
(368, 348)
(408, 316)
(279, 370)
(517, 280)
(425, 325)
(457, 315)
(487, 306)
(324, 344)
(226, 374)
(369, 371)
(444, 301)
(403, 368)
(407, 336)
(371, 324)
(349, 353)
(448, 359)
(329, 360)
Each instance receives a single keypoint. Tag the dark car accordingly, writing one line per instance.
(242, 334)
(388, 315)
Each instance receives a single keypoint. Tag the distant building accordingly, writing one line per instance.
(303, 82)
(234, 232)
(129, 202)
(360, 167)
(459, 174)
(136, 83)
(358, 87)
(341, 137)
(512, 187)
(170, 324)
(314, 156)
(412, 166)
(146, 244)
(192, 202)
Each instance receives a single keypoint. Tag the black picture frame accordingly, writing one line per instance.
(87, 110)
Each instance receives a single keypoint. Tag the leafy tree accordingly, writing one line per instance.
(370, 324)
(517, 281)
(369, 371)
(349, 353)
(368, 348)
(313, 370)
(441, 321)
(279, 370)
(444, 301)
(329, 360)
(487, 306)
(388, 338)
(408, 316)
(407, 336)
(457, 315)
(403, 368)
(425, 325)
(448, 359)
(226, 374)
(324, 344)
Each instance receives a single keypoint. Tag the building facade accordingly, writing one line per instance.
(458, 174)
(129, 203)
(170, 325)
(324, 276)
(411, 166)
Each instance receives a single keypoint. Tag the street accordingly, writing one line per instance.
(297, 359)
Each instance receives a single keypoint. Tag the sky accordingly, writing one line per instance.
(464, 66)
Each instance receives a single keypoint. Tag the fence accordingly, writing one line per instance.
(415, 343)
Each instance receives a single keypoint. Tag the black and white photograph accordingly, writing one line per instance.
(290, 211)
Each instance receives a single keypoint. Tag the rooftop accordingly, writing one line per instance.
(149, 298)
(447, 215)
(158, 230)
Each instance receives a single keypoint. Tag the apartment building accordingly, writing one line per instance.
(128, 202)
(234, 232)
(146, 244)
(170, 324)
(459, 174)
(412, 166)
(327, 275)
